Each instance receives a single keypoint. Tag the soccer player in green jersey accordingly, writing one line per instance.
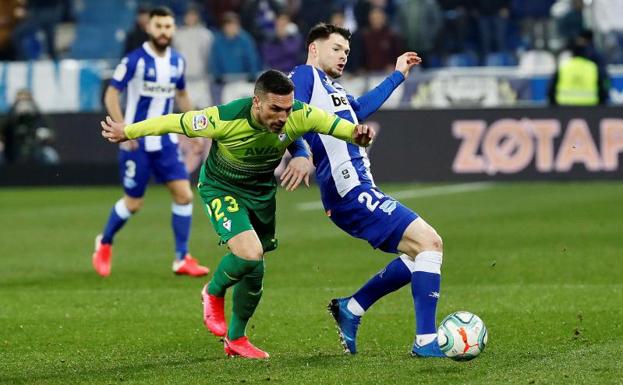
(238, 186)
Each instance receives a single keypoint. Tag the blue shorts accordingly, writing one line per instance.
(136, 167)
(366, 213)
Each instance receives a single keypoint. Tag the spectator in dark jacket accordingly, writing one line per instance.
(381, 45)
(234, 52)
(138, 35)
(493, 17)
(282, 51)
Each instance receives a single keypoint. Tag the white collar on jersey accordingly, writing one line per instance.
(151, 52)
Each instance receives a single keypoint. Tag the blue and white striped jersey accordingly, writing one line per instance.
(151, 82)
(340, 166)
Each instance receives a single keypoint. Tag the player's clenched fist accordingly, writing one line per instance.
(113, 131)
(363, 135)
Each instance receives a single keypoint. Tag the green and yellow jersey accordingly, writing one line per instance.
(244, 154)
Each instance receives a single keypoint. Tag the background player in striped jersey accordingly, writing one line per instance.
(153, 76)
(355, 204)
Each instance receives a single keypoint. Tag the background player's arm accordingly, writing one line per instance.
(112, 101)
(183, 100)
(124, 72)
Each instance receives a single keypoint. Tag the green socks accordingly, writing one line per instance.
(247, 276)
(229, 272)
(247, 294)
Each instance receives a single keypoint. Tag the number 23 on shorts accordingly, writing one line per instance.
(217, 205)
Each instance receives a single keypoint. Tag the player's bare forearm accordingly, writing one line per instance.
(298, 170)
(183, 101)
(112, 101)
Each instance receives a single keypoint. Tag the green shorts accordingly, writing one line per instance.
(231, 214)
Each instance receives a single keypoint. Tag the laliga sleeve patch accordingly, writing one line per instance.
(200, 122)
(121, 70)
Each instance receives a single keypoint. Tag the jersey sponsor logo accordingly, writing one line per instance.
(339, 100)
(153, 89)
(120, 70)
(200, 122)
(261, 151)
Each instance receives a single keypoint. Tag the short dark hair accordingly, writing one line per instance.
(161, 11)
(322, 31)
(275, 82)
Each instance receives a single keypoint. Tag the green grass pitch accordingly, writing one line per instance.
(540, 263)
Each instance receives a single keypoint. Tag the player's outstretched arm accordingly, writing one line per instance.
(371, 101)
(117, 132)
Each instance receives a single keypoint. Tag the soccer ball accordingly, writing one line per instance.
(462, 336)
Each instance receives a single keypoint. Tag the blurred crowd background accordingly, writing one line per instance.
(56, 56)
(254, 34)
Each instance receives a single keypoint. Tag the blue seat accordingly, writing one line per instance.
(462, 60)
(96, 42)
(500, 59)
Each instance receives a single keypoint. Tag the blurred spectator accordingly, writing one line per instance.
(312, 12)
(194, 41)
(11, 12)
(420, 22)
(493, 17)
(283, 50)
(607, 21)
(455, 29)
(41, 16)
(571, 24)
(344, 12)
(338, 18)
(536, 24)
(234, 52)
(215, 9)
(578, 80)
(138, 35)
(380, 44)
(362, 8)
(26, 137)
(258, 18)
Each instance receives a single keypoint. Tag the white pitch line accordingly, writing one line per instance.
(416, 193)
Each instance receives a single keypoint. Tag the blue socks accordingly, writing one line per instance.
(180, 221)
(425, 283)
(424, 274)
(117, 218)
(394, 276)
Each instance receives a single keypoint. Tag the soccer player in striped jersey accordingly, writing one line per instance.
(237, 185)
(356, 205)
(153, 76)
